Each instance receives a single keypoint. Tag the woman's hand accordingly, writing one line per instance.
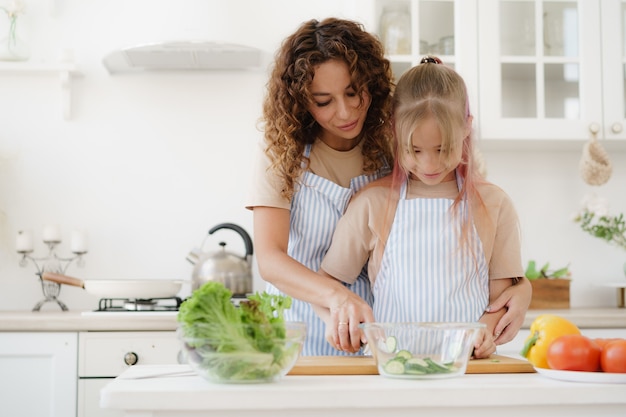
(484, 346)
(516, 300)
(347, 310)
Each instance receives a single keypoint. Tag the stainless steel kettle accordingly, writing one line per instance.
(234, 271)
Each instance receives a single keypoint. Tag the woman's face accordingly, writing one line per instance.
(424, 158)
(336, 106)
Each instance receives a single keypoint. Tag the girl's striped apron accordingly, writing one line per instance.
(425, 274)
(316, 207)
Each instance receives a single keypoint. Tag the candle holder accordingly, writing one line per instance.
(50, 263)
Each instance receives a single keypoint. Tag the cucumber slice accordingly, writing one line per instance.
(391, 343)
(417, 361)
(415, 369)
(394, 367)
(436, 367)
(404, 354)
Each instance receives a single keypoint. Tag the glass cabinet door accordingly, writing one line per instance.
(540, 69)
(411, 29)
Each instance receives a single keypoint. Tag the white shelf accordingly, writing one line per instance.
(66, 72)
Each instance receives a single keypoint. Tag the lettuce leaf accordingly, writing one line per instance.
(237, 343)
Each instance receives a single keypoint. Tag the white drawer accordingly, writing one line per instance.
(105, 354)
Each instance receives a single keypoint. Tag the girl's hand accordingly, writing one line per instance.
(516, 300)
(484, 346)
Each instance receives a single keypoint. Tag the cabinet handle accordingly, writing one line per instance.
(131, 358)
(616, 128)
(594, 128)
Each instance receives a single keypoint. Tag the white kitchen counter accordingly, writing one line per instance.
(68, 321)
(188, 395)
(58, 321)
(585, 318)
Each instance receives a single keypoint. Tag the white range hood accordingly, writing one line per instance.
(185, 55)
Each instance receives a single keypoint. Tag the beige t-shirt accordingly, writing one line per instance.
(337, 166)
(358, 237)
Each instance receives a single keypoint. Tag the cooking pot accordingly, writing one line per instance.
(234, 271)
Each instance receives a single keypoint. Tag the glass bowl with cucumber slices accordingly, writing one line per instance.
(421, 350)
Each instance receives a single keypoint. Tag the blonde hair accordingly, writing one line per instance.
(434, 90)
(287, 123)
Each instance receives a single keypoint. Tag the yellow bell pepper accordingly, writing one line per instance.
(543, 330)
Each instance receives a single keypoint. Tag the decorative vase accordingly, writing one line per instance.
(12, 47)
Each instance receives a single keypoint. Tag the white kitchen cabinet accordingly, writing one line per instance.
(38, 375)
(444, 28)
(552, 70)
(104, 355)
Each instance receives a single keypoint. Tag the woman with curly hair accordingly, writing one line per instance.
(327, 135)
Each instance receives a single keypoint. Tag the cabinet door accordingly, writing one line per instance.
(104, 355)
(613, 17)
(38, 375)
(540, 69)
(411, 29)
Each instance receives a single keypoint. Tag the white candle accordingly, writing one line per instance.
(24, 242)
(52, 233)
(79, 241)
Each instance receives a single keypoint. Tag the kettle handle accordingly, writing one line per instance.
(244, 235)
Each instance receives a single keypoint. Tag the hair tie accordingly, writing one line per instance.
(430, 59)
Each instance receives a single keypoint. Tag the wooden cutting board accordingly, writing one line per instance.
(365, 365)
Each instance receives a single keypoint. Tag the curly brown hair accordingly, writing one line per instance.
(289, 126)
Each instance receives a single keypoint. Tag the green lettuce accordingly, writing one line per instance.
(248, 342)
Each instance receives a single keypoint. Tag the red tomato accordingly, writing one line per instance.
(603, 342)
(574, 352)
(613, 357)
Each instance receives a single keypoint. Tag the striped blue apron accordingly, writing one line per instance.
(316, 207)
(425, 274)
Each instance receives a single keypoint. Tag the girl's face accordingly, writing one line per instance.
(425, 159)
(336, 107)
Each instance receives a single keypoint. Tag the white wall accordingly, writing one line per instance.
(149, 162)
(547, 189)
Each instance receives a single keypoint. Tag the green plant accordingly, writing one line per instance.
(545, 272)
(595, 220)
(609, 228)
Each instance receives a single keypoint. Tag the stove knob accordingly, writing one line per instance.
(131, 358)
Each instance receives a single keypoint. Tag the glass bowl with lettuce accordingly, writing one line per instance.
(249, 343)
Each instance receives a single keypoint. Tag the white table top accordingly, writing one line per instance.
(186, 394)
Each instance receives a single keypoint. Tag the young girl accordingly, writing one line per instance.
(442, 242)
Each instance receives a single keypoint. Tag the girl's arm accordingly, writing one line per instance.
(513, 303)
(485, 345)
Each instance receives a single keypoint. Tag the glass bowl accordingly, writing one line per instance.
(242, 353)
(421, 350)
